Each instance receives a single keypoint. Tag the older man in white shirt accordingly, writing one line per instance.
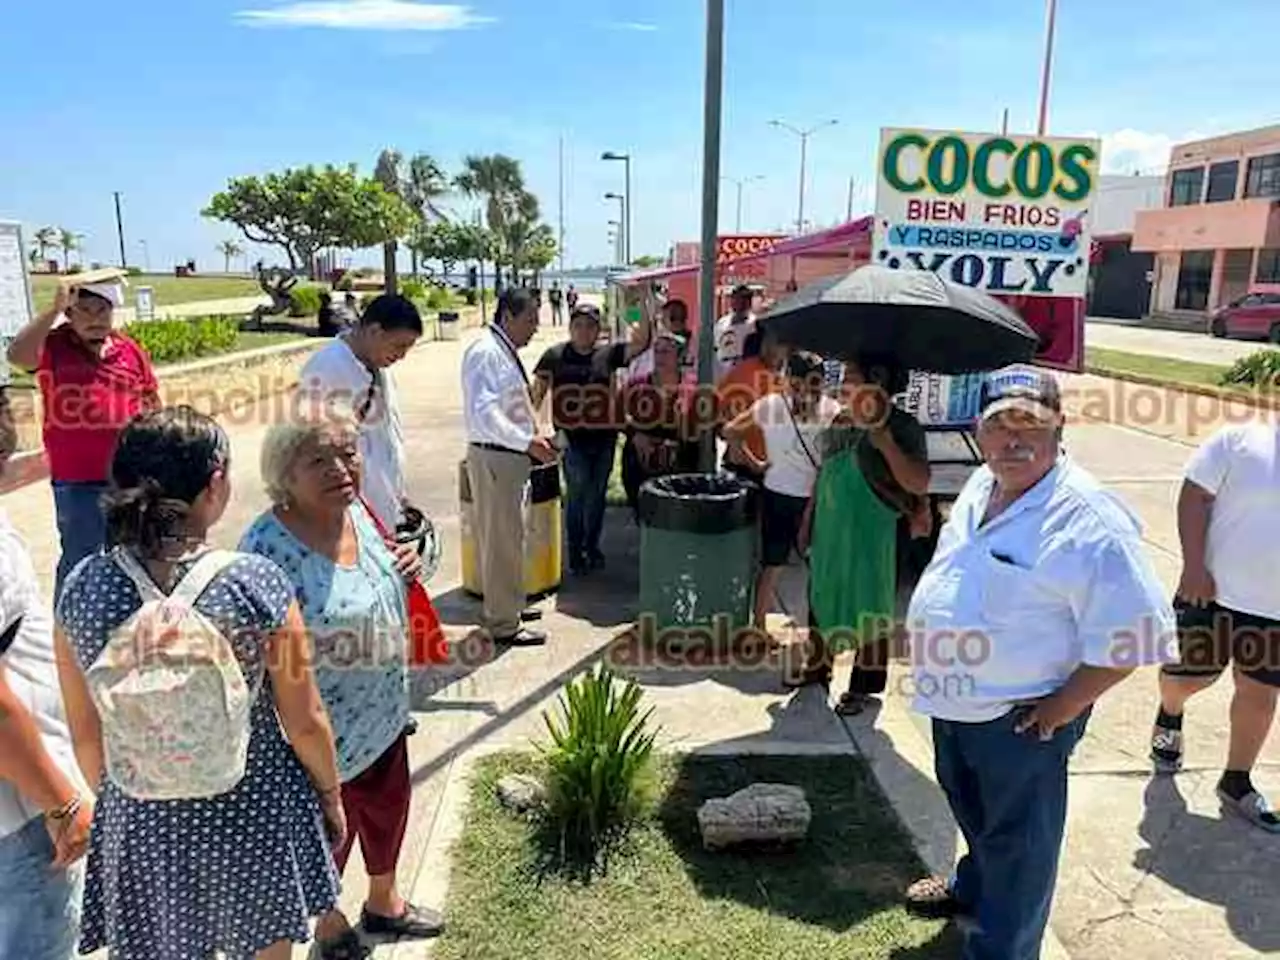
(502, 441)
(1038, 600)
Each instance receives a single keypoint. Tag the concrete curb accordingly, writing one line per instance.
(1255, 399)
(901, 760)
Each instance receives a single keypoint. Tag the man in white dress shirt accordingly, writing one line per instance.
(502, 443)
(354, 369)
(1038, 600)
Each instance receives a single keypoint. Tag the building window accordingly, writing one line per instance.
(1222, 181)
(1187, 187)
(1195, 273)
(1268, 266)
(1262, 178)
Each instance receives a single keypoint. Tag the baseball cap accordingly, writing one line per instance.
(1028, 389)
(742, 290)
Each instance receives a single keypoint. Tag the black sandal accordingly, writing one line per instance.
(931, 898)
(416, 923)
(347, 946)
(851, 704)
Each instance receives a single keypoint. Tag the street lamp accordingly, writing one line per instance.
(615, 235)
(804, 141)
(740, 182)
(623, 238)
(626, 214)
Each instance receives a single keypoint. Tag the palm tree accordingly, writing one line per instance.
(387, 173)
(68, 242)
(425, 184)
(499, 181)
(519, 230)
(229, 250)
(45, 238)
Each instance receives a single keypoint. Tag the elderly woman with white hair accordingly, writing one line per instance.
(351, 585)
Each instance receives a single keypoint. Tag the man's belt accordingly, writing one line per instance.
(499, 448)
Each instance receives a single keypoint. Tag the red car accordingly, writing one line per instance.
(1255, 316)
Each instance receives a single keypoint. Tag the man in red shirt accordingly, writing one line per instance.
(93, 380)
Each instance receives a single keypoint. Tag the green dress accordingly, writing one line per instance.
(853, 556)
(853, 559)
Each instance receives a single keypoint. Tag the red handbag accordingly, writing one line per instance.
(427, 645)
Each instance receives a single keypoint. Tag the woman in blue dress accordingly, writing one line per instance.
(351, 586)
(244, 871)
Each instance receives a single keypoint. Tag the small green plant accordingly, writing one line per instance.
(1259, 369)
(413, 289)
(304, 301)
(345, 282)
(471, 296)
(167, 341)
(367, 299)
(599, 763)
(134, 271)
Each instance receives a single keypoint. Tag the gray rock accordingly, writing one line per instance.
(760, 813)
(520, 793)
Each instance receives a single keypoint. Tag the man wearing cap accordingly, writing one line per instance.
(93, 379)
(1038, 600)
(733, 329)
(579, 374)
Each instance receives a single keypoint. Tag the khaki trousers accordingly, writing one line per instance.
(497, 492)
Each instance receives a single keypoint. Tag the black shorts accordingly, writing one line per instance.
(780, 517)
(1212, 638)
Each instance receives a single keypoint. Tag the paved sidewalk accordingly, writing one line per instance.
(1195, 347)
(1150, 870)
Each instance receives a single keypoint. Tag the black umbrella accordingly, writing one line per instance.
(924, 322)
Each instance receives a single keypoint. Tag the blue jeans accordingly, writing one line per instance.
(587, 467)
(1008, 793)
(39, 906)
(82, 527)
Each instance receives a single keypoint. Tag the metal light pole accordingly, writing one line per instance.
(124, 260)
(146, 255)
(615, 235)
(710, 216)
(804, 142)
(626, 213)
(1047, 70)
(623, 239)
(739, 182)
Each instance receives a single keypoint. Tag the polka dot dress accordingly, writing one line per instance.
(177, 880)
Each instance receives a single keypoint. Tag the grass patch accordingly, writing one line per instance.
(837, 895)
(166, 288)
(1159, 368)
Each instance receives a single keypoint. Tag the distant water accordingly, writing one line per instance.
(587, 281)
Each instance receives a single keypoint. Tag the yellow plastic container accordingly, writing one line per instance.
(543, 558)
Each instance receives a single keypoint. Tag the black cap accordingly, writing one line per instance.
(1029, 389)
(742, 290)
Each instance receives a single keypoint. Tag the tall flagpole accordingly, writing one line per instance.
(560, 244)
(713, 86)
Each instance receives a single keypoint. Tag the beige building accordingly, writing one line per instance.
(1217, 235)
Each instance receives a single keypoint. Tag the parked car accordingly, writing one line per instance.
(1255, 316)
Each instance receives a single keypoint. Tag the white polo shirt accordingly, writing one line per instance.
(1005, 613)
(1240, 467)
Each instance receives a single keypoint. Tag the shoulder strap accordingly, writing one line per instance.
(201, 575)
(800, 436)
(10, 634)
(131, 568)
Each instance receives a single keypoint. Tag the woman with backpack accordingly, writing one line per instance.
(353, 590)
(215, 836)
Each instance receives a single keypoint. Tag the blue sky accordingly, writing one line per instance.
(164, 101)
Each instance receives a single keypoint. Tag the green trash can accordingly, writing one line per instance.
(699, 546)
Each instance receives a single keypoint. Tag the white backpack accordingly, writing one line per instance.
(173, 700)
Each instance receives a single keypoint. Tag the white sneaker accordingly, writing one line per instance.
(1253, 808)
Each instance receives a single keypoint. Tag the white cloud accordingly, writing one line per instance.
(366, 15)
(1124, 151)
(635, 27)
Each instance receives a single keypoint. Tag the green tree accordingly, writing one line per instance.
(46, 238)
(68, 242)
(303, 210)
(229, 250)
(387, 173)
(647, 262)
(498, 181)
(425, 185)
(443, 241)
